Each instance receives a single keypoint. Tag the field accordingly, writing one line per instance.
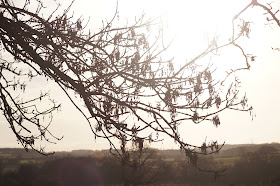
(227, 161)
(244, 165)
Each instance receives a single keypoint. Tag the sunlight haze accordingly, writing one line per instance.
(190, 26)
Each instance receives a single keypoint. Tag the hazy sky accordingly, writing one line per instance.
(191, 25)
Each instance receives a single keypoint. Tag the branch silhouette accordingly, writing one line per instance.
(129, 92)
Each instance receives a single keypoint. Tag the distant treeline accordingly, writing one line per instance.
(227, 151)
(246, 164)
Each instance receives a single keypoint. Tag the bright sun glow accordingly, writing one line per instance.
(195, 24)
(192, 25)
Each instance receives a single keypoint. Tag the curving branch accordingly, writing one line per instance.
(129, 92)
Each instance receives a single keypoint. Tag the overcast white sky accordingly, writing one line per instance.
(261, 83)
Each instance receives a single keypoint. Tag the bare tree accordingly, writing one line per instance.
(118, 74)
(142, 167)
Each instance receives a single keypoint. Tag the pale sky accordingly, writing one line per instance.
(191, 29)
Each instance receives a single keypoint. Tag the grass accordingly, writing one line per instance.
(6, 156)
(227, 160)
(30, 161)
(168, 159)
